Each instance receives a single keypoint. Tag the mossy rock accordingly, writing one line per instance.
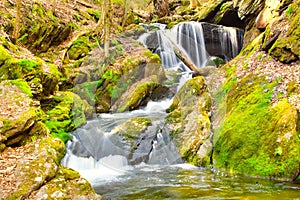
(257, 138)
(131, 129)
(81, 47)
(131, 132)
(87, 91)
(189, 123)
(137, 95)
(287, 47)
(41, 77)
(67, 184)
(69, 113)
(32, 174)
(17, 116)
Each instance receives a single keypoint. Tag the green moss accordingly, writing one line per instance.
(253, 137)
(225, 7)
(132, 128)
(139, 93)
(23, 86)
(69, 114)
(80, 48)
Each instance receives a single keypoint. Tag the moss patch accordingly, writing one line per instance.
(257, 138)
(69, 113)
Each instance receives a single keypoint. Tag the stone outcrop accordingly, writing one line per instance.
(137, 87)
(189, 123)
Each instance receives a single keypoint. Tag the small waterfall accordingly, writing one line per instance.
(189, 38)
(197, 41)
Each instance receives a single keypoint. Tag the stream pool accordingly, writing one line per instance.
(184, 181)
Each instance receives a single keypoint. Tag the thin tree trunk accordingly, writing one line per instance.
(106, 12)
(126, 6)
(16, 31)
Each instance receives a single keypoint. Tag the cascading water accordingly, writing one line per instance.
(150, 167)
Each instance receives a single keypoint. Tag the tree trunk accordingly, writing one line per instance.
(16, 31)
(106, 8)
(126, 6)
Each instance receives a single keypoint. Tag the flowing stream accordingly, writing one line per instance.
(154, 170)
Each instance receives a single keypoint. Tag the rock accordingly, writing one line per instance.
(138, 86)
(137, 95)
(17, 116)
(189, 123)
(136, 143)
(67, 184)
(256, 138)
(68, 112)
(44, 175)
(40, 76)
(286, 48)
(32, 173)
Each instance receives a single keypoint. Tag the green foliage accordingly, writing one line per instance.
(22, 37)
(289, 11)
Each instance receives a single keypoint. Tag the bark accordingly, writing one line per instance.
(106, 8)
(16, 31)
(126, 6)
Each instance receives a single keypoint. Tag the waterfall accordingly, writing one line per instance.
(99, 154)
(198, 41)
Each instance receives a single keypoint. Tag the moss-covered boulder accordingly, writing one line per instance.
(17, 116)
(32, 173)
(67, 184)
(189, 123)
(17, 63)
(64, 112)
(127, 70)
(44, 174)
(257, 137)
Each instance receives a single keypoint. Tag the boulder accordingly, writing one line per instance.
(286, 45)
(44, 175)
(67, 184)
(256, 138)
(17, 116)
(189, 123)
(65, 112)
(135, 142)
